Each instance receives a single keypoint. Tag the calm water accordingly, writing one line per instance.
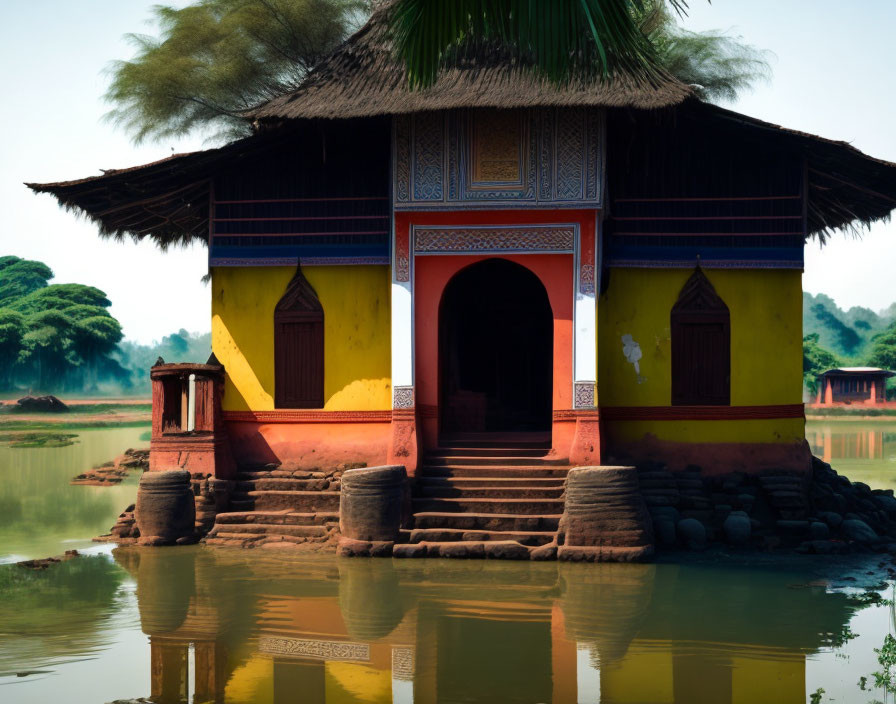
(216, 625)
(862, 450)
(199, 624)
(41, 513)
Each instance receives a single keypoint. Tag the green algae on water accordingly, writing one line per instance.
(38, 439)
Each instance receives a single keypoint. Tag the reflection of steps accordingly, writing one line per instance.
(482, 496)
(278, 507)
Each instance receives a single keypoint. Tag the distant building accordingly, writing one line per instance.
(861, 385)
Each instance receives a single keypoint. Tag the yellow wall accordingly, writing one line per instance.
(357, 338)
(766, 349)
(648, 673)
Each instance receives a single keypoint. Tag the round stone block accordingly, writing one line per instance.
(165, 509)
(371, 503)
(604, 516)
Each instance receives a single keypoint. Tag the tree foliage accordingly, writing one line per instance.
(563, 40)
(883, 349)
(847, 333)
(816, 360)
(718, 66)
(214, 59)
(19, 277)
(180, 346)
(574, 40)
(53, 337)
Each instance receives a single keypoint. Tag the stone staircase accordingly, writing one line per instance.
(476, 501)
(274, 507)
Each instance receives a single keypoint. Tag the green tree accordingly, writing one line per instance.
(70, 337)
(563, 40)
(569, 41)
(46, 348)
(214, 59)
(716, 65)
(60, 296)
(883, 349)
(816, 359)
(19, 277)
(12, 333)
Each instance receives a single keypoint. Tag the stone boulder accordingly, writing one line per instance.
(40, 404)
(738, 528)
(692, 533)
(859, 531)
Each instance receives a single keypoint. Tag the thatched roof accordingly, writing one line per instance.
(363, 78)
(846, 187)
(167, 200)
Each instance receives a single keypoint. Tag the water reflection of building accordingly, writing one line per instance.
(378, 631)
(858, 443)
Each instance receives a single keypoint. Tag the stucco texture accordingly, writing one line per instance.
(766, 350)
(357, 322)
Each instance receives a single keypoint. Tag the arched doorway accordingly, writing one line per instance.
(496, 338)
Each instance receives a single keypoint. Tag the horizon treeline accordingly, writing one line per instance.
(61, 338)
(834, 337)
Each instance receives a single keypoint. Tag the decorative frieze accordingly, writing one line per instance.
(477, 240)
(315, 649)
(549, 157)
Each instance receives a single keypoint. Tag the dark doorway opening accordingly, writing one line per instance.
(496, 340)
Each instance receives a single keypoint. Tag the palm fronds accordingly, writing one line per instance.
(564, 40)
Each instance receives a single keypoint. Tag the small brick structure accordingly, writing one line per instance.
(188, 433)
(188, 429)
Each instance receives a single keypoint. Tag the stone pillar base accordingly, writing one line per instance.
(371, 505)
(348, 547)
(585, 450)
(166, 509)
(403, 448)
(604, 518)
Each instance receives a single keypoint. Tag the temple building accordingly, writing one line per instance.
(865, 386)
(606, 272)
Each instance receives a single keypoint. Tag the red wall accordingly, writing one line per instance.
(433, 272)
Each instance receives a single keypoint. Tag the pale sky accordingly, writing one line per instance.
(833, 66)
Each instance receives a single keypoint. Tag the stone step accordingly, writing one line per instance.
(496, 550)
(435, 490)
(496, 482)
(480, 471)
(300, 501)
(447, 535)
(251, 474)
(228, 538)
(282, 484)
(500, 460)
(226, 529)
(486, 521)
(286, 517)
(503, 506)
(488, 451)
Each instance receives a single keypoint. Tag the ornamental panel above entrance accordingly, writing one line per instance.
(498, 159)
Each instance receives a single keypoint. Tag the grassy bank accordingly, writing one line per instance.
(82, 414)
